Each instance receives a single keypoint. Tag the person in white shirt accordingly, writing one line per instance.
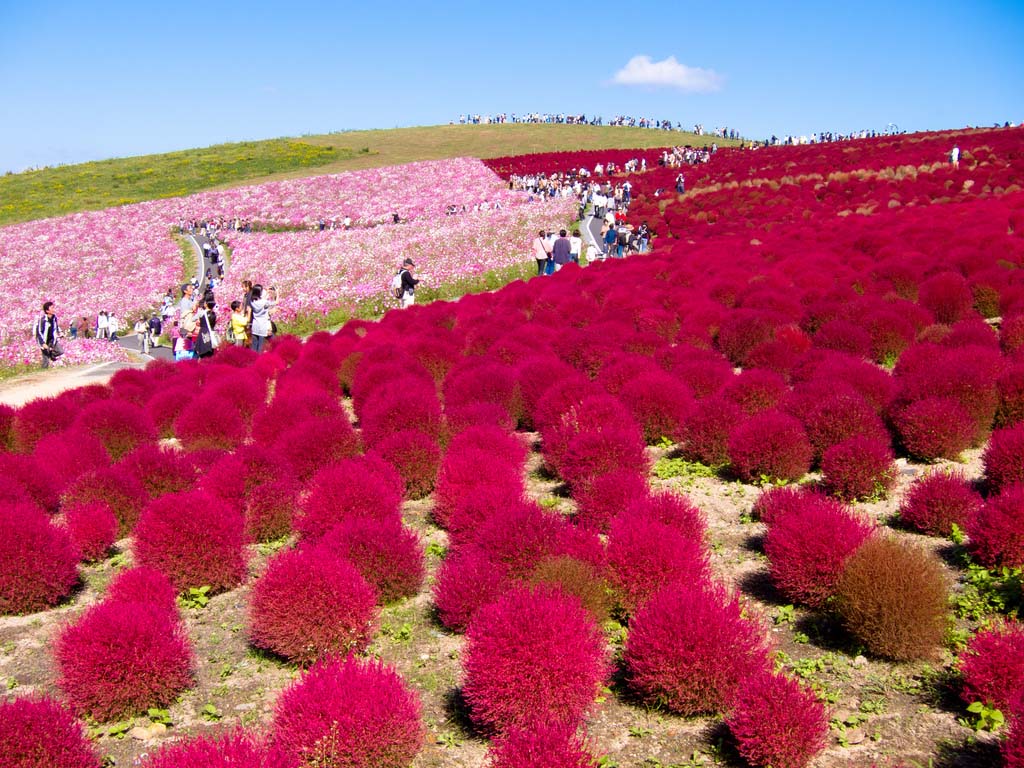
(575, 246)
(102, 326)
(113, 326)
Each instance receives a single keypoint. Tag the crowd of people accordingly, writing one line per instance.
(563, 118)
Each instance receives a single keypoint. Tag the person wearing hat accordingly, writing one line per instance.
(409, 283)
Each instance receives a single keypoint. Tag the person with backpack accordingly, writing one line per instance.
(46, 331)
(404, 284)
(155, 327)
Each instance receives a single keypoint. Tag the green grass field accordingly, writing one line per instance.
(92, 186)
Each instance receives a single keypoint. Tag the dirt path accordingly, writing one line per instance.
(49, 383)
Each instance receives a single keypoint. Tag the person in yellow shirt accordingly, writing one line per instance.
(239, 322)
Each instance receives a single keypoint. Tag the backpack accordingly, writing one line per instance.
(396, 284)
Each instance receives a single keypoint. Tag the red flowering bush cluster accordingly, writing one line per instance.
(808, 547)
(348, 712)
(769, 445)
(143, 585)
(858, 468)
(40, 733)
(415, 456)
(542, 745)
(996, 533)
(38, 560)
(386, 554)
(122, 492)
(309, 603)
(778, 722)
(229, 749)
(362, 487)
(121, 427)
(93, 529)
(934, 428)
(690, 649)
(195, 539)
(119, 659)
(1004, 457)
(992, 666)
(543, 645)
(938, 501)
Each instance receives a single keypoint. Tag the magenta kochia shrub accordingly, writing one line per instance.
(93, 529)
(940, 500)
(386, 553)
(1011, 396)
(351, 712)
(37, 732)
(38, 560)
(935, 428)
(541, 745)
(121, 491)
(660, 403)
(1012, 748)
(143, 585)
(59, 460)
(227, 749)
(315, 443)
(119, 659)
(195, 539)
(477, 506)
(469, 473)
(483, 381)
(1004, 457)
(645, 555)
(992, 665)
(670, 509)
(40, 417)
(947, 296)
(310, 603)
(467, 579)
(396, 407)
(707, 431)
(690, 649)
(860, 467)
(417, 458)
(596, 452)
(361, 487)
(777, 501)
(755, 390)
(807, 548)
(120, 426)
(769, 444)
(997, 532)
(837, 417)
(543, 645)
(160, 471)
(606, 496)
(778, 722)
(210, 421)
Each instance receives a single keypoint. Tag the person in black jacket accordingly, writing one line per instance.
(409, 284)
(47, 334)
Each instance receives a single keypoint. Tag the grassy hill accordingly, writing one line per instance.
(92, 186)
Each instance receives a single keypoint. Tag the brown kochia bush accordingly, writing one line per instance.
(893, 598)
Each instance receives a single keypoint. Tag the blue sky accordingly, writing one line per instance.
(82, 81)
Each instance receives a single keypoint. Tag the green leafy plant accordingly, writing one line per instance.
(210, 713)
(988, 591)
(784, 614)
(196, 597)
(161, 716)
(666, 468)
(986, 718)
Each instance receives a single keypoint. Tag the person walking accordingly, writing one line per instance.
(540, 251)
(409, 283)
(561, 251)
(46, 331)
(954, 156)
(262, 328)
(239, 324)
(575, 246)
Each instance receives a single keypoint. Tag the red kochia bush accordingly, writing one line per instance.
(40, 417)
(778, 722)
(992, 665)
(476, 507)
(660, 403)
(706, 433)
(349, 713)
(807, 548)
(416, 457)
(947, 296)
(542, 745)
(315, 443)
(670, 509)
(606, 496)
(119, 659)
(387, 554)
(38, 561)
(143, 585)
(770, 444)
(93, 529)
(1012, 748)
(40, 733)
(777, 501)
(838, 417)
(997, 531)
(120, 426)
(470, 472)
(193, 538)
(645, 554)
(363, 487)
(121, 491)
(210, 421)
(541, 644)
(160, 471)
(940, 500)
(64, 457)
(268, 510)
(755, 390)
(859, 468)
(1011, 397)
(594, 453)
(1004, 457)
(228, 749)
(399, 406)
(933, 428)
(467, 580)
(690, 649)
(310, 603)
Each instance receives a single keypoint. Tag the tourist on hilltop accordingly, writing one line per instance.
(954, 156)
(575, 246)
(206, 341)
(540, 251)
(141, 331)
(409, 283)
(643, 236)
(561, 251)
(262, 327)
(46, 331)
(611, 236)
(240, 319)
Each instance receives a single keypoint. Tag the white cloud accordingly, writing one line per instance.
(640, 70)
